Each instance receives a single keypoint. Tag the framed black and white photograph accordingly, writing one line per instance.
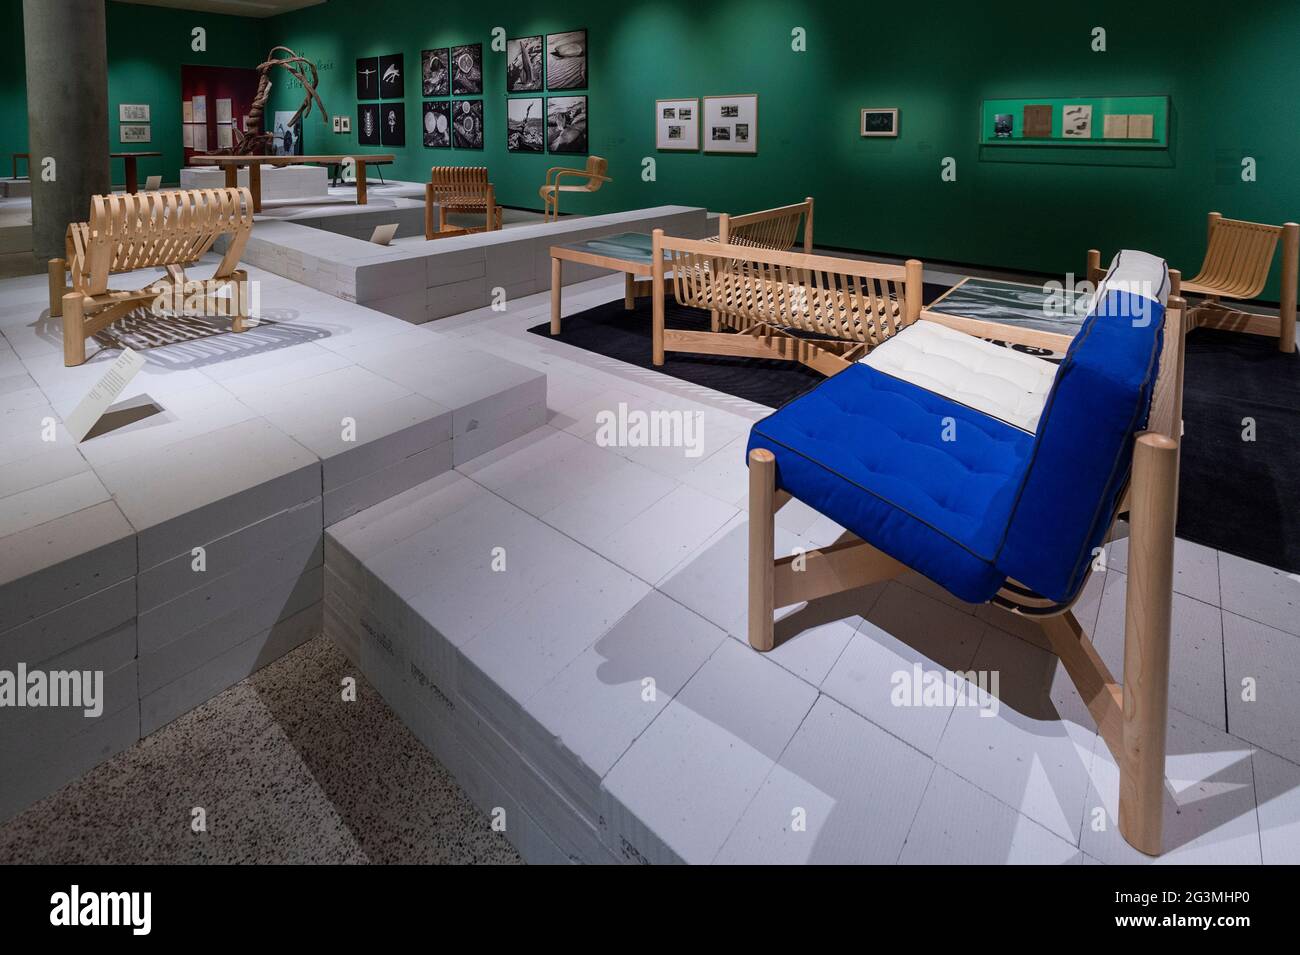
(133, 112)
(731, 123)
(524, 64)
(392, 124)
(677, 124)
(566, 124)
(368, 78)
(467, 124)
(435, 72)
(467, 69)
(1003, 124)
(368, 124)
(525, 125)
(566, 60)
(135, 133)
(392, 81)
(879, 122)
(437, 124)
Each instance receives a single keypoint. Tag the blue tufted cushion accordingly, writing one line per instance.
(868, 451)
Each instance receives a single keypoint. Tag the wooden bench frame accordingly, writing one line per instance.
(1238, 259)
(1131, 717)
(770, 229)
(765, 294)
(459, 189)
(171, 230)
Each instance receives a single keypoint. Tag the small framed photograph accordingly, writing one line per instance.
(347, 124)
(435, 72)
(467, 69)
(132, 133)
(566, 60)
(338, 124)
(525, 125)
(879, 122)
(437, 124)
(524, 64)
(677, 124)
(133, 112)
(731, 124)
(566, 124)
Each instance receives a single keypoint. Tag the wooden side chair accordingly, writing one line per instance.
(1238, 259)
(938, 457)
(170, 230)
(459, 189)
(823, 312)
(593, 176)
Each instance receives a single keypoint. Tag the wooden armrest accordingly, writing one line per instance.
(1012, 334)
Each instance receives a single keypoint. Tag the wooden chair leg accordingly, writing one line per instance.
(57, 269)
(1146, 642)
(629, 291)
(762, 542)
(74, 329)
(1287, 298)
(239, 300)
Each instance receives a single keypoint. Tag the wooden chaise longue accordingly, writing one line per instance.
(170, 230)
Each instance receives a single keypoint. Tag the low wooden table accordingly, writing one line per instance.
(132, 175)
(231, 165)
(627, 252)
(1023, 306)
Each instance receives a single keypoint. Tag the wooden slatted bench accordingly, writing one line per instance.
(823, 312)
(169, 230)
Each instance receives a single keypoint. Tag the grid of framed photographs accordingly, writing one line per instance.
(381, 78)
(677, 124)
(727, 124)
(554, 123)
(455, 71)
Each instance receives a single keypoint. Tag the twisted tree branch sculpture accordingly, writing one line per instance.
(255, 142)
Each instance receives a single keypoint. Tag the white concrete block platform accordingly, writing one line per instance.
(190, 519)
(596, 679)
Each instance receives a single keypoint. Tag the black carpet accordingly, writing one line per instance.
(1235, 495)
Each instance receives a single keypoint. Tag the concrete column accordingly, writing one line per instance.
(67, 114)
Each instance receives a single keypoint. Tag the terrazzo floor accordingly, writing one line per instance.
(284, 770)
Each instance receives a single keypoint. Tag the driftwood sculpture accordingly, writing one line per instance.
(255, 142)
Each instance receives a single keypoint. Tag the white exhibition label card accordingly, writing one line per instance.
(104, 393)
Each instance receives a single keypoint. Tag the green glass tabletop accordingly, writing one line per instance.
(1059, 310)
(630, 246)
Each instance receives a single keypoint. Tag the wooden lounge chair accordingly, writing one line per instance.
(145, 230)
(593, 175)
(940, 453)
(459, 189)
(770, 229)
(1238, 258)
(823, 312)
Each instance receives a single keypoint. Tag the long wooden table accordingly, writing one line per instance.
(231, 165)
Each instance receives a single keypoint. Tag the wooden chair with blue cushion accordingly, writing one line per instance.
(1000, 476)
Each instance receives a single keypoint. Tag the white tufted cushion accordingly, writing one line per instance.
(1000, 382)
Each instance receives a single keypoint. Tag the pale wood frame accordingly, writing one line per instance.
(1238, 260)
(766, 294)
(459, 189)
(171, 230)
(593, 173)
(704, 141)
(659, 104)
(862, 121)
(1130, 716)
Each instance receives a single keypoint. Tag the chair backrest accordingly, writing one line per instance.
(848, 299)
(1238, 256)
(1121, 375)
(596, 166)
(769, 229)
(152, 229)
(459, 187)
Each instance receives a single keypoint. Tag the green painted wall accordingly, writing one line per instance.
(1232, 79)
(146, 47)
(1233, 82)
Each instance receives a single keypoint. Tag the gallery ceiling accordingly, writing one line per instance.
(243, 8)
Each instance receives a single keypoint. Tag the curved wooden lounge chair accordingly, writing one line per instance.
(820, 311)
(997, 476)
(145, 230)
(459, 189)
(593, 175)
(1238, 259)
(770, 229)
